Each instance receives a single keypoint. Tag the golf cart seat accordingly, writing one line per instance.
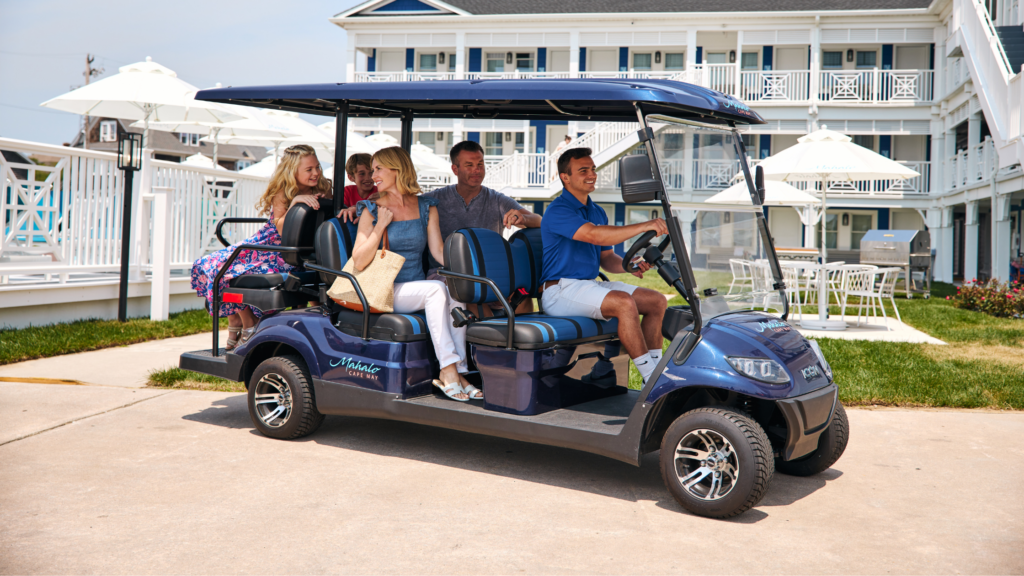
(513, 265)
(333, 245)
(284, 290)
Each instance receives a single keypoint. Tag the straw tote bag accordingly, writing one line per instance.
(377, 281)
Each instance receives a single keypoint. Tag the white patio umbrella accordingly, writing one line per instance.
(428, 163)
(776, 193)
(143, 91)
(825, 156)
(263, 168)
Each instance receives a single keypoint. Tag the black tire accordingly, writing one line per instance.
(744, 474)
(831, 445)
(288, 407)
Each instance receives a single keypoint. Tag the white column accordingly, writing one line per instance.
(971, 241)
(350, 58)
(939, 181)
(691, 49)
(815, 61)
(1000, 234)
(160, 287)
(974, 129)
(940, 223)
(458, 135)
(686, 218)
(139, 250)
(460, 55)
(737, 91)
(574, 54)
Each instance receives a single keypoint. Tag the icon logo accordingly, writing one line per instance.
(811, 372)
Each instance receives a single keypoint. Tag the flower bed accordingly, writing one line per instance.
(999, 299)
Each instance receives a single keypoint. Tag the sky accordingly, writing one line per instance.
(43, 44)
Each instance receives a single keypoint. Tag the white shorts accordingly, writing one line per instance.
(571, 297)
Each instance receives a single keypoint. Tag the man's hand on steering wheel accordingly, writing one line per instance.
(632, 262)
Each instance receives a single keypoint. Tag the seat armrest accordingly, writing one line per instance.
(501, 298)
(359, 293)
(224, 221)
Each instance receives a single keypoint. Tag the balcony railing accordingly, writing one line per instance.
(974, 165)
(771, 86)
(875, 86)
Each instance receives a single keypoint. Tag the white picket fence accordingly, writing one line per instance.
(65, 220)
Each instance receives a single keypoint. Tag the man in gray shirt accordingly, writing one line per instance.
(470, 204)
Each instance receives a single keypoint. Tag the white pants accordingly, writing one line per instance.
(432, 297)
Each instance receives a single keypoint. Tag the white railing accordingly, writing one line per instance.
(956, 74)
(720, 77)
(403, 76)
(70, 222)
(772, 86)
(974, 165)
(875, 86)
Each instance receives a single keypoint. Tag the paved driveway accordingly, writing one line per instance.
(178, 482)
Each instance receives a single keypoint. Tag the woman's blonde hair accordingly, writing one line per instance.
(284, 179)
(397, 159)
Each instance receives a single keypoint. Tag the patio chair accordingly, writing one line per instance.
(742, 275)
(811, 295)
(861, 283)
(843, 274)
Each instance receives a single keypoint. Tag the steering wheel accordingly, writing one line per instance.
(641, 244)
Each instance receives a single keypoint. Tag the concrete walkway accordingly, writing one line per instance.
(869, 329)
(178, 482)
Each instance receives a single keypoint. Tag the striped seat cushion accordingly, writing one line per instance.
(390, 327)
(533, 331)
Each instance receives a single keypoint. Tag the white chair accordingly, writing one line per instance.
(861, 283)
(841, 278)
(791, 276)
(832, 279)
(742, 276)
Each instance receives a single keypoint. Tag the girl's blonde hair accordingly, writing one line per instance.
(397, 159)
(284, 180)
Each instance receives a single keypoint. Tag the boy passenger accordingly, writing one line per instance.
(362, 188)
(577, 243)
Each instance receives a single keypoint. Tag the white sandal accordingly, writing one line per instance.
(450, 390)
(473, 392)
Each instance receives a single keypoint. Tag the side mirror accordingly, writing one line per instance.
(759, 183)
(637, 177)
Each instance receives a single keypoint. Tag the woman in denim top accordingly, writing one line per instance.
(412, 224)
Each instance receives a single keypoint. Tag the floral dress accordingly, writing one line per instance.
(248, 262)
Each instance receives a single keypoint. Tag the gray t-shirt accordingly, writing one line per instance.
(484, 211)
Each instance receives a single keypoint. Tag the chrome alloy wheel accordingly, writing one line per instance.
(273, 400)
(706, 465)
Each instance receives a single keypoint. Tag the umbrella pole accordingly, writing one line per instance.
(822, 274)
(216, 132)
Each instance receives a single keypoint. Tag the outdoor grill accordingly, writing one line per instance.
(907, 249)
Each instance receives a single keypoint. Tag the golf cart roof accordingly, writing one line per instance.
(536, 99)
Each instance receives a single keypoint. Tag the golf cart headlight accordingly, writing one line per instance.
(821, 358)
(761, 369)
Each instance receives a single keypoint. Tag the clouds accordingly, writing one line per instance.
(43, 46)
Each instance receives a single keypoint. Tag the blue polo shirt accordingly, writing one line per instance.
(563, 256)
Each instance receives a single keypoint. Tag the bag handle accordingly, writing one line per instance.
(387, 247)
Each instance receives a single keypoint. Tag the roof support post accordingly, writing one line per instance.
(407, 130)
(340, 144)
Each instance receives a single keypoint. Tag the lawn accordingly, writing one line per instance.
(17, 345)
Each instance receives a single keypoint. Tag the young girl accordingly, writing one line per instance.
(412, 224)
(297, 179)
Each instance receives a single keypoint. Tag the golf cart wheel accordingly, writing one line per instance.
(281, 401)
(716, 462)
(831, 445)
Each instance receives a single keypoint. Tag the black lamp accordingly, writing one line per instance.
(440, 58)
(849, 55)
(129, 159)
(732, 56)
(508, 58)
(657, 57)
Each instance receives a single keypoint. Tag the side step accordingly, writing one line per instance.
(225, 365)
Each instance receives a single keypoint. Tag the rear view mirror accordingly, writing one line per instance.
(638, 183)
(759, 183)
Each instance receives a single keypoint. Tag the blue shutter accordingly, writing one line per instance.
(473, 136)
(700, 54)
(883, 218)
(475, 57)
(886, 56)
(623, 59)
(765, 146)
(542, 59)
(766, 58)
(583, 59)
(371, 61)
(410, 59)
(885, 145)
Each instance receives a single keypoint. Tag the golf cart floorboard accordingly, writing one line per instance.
(604, 416)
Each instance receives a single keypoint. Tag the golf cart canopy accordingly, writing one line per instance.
(538, 99)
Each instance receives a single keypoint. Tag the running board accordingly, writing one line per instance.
(225, 365)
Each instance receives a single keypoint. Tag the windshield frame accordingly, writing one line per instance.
(690, 293)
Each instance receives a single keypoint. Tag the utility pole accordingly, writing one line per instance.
(89, 73)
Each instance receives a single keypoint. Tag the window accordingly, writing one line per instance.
(675, 61)
(641, 62)
(524, 62)
(428, 62)
(242, 164)
(860, 224)
(865, 140)
(427, 139)
(189, 139)
(710, 229)
(831, 232)
(495, 61)
(674, 145)
(520, 142)
(832, 60)
(718, 58)
(451, 62)
(743, 224)
(866, 59)
(108, 131)
(492, 143)
(749, 61)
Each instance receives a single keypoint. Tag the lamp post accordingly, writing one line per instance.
(129, 159)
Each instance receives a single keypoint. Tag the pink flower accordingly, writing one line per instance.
(947, 297)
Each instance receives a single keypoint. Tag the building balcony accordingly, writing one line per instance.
(872, 86)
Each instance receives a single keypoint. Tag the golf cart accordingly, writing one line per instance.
(737, 395)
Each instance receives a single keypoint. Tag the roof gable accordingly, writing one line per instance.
(386, 8)
(495, 7)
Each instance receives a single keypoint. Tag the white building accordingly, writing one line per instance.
(933, 83)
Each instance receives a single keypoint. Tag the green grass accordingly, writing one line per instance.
(178, 379)
(20, 344)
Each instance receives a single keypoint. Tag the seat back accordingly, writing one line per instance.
(481, 252)
(528, 256)
(299, 229)
(333, 246)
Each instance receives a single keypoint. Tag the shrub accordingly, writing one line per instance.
(995, 298)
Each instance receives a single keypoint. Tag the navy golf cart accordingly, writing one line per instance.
(737, 395)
